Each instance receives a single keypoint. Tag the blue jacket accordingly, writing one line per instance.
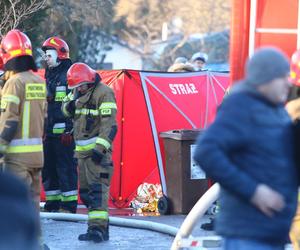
(57, 89)
(250, 142)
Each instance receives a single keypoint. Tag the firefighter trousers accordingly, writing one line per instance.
(31, 177)
(59, 176)
(94, 182)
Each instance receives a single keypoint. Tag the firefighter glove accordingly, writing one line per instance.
(97, 156)
(66, 139)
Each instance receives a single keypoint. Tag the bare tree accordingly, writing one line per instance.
(77, 22)
(143, 19)
(13, 12)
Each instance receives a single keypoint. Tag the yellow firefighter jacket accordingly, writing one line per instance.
(23, 110)
(94, 121)
(293, 108)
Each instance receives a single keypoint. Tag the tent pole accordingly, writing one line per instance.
(155, 137)
(252, 28)
(298, 27)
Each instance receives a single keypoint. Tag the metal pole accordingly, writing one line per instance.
(298, 27)
(252, 26)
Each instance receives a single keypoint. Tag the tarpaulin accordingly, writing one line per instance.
(149, 103)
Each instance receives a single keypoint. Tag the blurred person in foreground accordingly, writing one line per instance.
(249, 150)
(293, 108)
(19, 228)
(93, 107)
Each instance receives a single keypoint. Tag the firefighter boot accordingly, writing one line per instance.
(95, 234)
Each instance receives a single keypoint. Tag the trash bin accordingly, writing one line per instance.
(185, 180)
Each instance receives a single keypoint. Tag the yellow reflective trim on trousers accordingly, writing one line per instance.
(25, 149)
(103, 142)
(108, 105)
(26, 120)
(69, 198)
(11, 98)
(35, 91)
(97, 214)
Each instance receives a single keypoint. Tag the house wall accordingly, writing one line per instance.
(123, 58)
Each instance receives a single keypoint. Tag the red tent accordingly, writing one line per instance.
(150, 103)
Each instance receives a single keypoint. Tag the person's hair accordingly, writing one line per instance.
(181, 67)
(20, 64)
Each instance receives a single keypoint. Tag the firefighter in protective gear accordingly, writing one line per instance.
(60, 168)
(23, 109)
(93, 106)
(293, 108)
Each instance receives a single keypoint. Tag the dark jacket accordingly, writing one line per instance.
(250, 142)
(57, 89)
(19, 220)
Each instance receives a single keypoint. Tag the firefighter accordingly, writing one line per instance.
(93, 107)
(293, 108)
(23, 109)
(60, 168)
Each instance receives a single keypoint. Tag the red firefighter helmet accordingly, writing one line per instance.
(295, 68)
(79, 74)
(59, 45)
(14, 44)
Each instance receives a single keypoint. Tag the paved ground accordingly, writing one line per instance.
(63, 235)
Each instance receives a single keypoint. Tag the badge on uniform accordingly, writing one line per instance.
(105, 112)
